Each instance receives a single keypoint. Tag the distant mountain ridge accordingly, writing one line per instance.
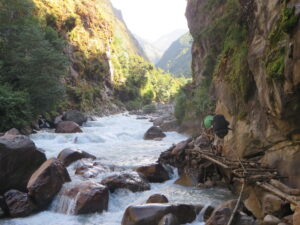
(151, 52)
(178, 57)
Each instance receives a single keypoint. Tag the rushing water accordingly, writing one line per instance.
(116, 141)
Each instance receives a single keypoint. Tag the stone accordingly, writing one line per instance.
(170, 125)
(296, 216)
(75, 116)
(169, 219)
(19, 204)
(222, 214)
(154, 132)
(155, 173)
(130, 181)
(270, 220)
(46, 182)
(57, 120)
(207, 212)
(19, 158)
(67, 127)
(179, 148)
(186, 180)
(157, 198)
(13, 132)
(89, 197)
(68, 156)
(151, 214)
(253, 204)
(272, 205)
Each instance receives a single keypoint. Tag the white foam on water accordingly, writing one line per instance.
(115, 140)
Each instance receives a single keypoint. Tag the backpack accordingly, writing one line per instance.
(220, 126)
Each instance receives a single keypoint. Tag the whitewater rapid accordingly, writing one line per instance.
(116, 141)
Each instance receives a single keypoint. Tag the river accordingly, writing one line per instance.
(116, 141)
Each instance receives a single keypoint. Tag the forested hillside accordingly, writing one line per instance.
(57, 55)
(177, 58)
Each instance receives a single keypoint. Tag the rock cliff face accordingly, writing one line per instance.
(250, 51)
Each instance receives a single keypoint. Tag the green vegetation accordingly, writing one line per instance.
(178, 57)
(32, 64)
(275, 59)
(149, 109)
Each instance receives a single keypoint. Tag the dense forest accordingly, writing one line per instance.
(72, 54)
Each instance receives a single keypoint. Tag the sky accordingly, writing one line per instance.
(151, 19)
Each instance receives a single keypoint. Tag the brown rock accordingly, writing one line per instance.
(157, 198)
(130, 181)
(68, 156)
(90, 197)
(19, 158)
(272, 205)
(180, 147)
(169, 219)
(75, 116)
(68, 127)
(186, 180)
(46, 182)
(154, 132)
(270, 220)
(155, 173)
(151, 214)
(253, 204)
(171, 125)
(19, 204)
(222, 214)
(296, 216)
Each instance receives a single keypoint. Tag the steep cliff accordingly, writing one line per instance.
(246, 66)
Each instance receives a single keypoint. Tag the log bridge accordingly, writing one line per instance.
(251, 172)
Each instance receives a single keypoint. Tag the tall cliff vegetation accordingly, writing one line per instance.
(78, 54)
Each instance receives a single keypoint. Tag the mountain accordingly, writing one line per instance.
(178, 57)
(164, 42)
(150, 50)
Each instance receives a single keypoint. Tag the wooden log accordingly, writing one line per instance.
(277, 192)
(215, 161)
(282, 187)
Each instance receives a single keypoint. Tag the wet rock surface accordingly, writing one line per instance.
(68, 156)
(19, 204)
(67, 127)
(169, 219)
(89, 197)
(155, 173)
(157, 198)
(90, 169)
(154, 132)
(46, 182)
(130, 181)
(19, 158)
(151, 214)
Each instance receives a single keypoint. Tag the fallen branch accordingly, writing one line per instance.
(282, 187)
(278, 193)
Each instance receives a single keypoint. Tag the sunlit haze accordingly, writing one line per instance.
(151, 19)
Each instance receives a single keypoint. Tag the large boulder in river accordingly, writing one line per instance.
(75, 116)
(155, 173)
(89, 197)
(130, 181)
(89, 169)
(154, 132)
(151, 214)
(19, 158)
(169, 219)
(46, 182)
(12, 131)
(68, 156)
(19, 204)
(157, 198)
(68, 127)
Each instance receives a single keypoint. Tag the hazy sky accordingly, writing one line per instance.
(151, 19)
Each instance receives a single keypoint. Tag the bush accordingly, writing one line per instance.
(149, 109)
(180, 106)
(133, 105)
(14, 109)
